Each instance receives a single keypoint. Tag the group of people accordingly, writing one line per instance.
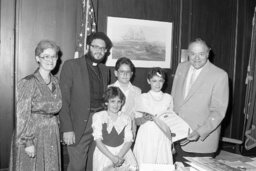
(112, 126)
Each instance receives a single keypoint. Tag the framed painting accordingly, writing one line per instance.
(147, 43)
(184, 55)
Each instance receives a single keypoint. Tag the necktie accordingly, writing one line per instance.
(192, 78)
(190, 81)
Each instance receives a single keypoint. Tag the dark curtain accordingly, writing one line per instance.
(250, 99)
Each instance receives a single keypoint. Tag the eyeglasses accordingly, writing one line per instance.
(48, 58)
(121, 72)
(96, 47)
(201, 54)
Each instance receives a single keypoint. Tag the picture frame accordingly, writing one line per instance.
(147, 43)
(184, 55)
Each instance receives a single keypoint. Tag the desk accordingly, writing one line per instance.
(224, 161)
(225, 155)
(237, 160)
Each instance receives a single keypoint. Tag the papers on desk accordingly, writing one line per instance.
(236, 161)
(208, 164)
(252, 163)
(177, 125)
(157, 167)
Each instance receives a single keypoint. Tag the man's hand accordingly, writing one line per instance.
(194, 136)
(69, 138)
(31, 151)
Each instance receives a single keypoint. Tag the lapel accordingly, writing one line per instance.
(104, 73)
(198, 83)
(183, 81)
(84, 73)
(178, 91)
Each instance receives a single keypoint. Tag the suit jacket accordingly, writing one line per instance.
(75, 88)
(205, 105)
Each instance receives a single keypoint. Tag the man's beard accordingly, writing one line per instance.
(95, 60)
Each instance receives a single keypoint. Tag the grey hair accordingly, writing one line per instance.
(46, 44)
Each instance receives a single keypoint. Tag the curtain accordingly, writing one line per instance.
(250, 98)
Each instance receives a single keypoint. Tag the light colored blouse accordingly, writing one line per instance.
(155, 103)
(123, 122)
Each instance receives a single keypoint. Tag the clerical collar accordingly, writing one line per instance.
(89, 61)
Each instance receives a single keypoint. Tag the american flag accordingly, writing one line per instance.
(87, 26)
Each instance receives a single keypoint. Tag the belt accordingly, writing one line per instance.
(44, 114)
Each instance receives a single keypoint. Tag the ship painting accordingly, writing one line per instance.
(135, 45)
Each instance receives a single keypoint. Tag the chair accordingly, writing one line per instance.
(237, 143)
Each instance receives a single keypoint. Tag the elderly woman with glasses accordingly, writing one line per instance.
(36, 142)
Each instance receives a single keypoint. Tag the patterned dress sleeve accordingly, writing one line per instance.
(25, 128)
(97, 126)
(128, 136)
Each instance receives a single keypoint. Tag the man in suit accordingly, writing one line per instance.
(82, 82)
(200, 92)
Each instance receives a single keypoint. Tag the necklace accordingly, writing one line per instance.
(156, 98)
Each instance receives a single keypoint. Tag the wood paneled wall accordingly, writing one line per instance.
(48, 19)
(6, 78)
(244, 28)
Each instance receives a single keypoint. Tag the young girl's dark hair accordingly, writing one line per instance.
(113, 92)
(124, 60)
(156, 71)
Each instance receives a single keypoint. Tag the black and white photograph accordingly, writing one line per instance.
(127, 85)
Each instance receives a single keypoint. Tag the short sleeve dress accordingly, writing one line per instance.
(36, 124)
(113, 135)
(151, 145)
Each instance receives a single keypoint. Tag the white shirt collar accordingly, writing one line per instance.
(117, 84)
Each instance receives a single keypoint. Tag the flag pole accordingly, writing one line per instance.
(86, 23)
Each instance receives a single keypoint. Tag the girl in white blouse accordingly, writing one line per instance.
(113, 135)
(152, 146)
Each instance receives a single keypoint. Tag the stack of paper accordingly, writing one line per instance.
(177, 125)
(208, 164)
(157, 167)
(253, 162)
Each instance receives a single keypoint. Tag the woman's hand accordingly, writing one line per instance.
(148, 117)
(145, 117)
(31, 151)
